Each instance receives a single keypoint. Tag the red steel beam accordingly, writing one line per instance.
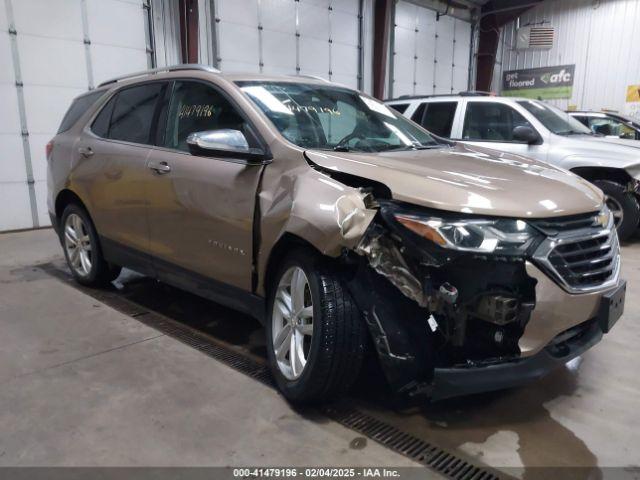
(381, 32)
(189, 30)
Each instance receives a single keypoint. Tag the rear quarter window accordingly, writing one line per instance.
(78, 107)
(399, 107)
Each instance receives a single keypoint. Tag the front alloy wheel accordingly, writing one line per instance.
(292, 320)
(316, 337)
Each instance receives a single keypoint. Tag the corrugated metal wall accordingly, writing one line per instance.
(600, 37)
(429, 56)
(50, 52)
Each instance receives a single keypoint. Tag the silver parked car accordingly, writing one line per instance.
(541, 131)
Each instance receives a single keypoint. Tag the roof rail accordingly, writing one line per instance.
(153, 71)
(315, 77)
(474, 93)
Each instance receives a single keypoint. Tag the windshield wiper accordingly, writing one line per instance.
(572, 132)
(341, 148)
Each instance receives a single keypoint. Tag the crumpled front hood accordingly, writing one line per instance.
(470, 179)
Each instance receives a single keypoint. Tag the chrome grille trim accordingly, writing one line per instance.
(582, 260)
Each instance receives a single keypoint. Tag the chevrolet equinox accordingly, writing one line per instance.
(340, 225)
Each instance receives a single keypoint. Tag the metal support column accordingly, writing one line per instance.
(13, 34)
(87, 43)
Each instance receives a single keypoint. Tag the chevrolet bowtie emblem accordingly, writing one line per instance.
(602, 219)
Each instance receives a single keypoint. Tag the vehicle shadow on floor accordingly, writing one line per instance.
(515, 420)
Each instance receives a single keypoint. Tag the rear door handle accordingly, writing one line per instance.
(160, 168)
(85, 151)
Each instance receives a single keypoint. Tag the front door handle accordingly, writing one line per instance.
(160, 168)
(86, 152)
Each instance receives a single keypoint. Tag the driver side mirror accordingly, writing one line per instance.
(225, 143)
(525, 134)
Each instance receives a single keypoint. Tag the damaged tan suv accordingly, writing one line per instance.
(340, 225)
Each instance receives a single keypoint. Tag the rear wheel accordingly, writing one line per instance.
(623, 205)
(82, 248)
(315, 335)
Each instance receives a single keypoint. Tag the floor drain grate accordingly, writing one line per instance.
(445, 463)
(422, 452)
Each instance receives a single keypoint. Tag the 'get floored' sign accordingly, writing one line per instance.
(541, 83)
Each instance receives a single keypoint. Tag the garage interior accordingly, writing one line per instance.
(141, 374)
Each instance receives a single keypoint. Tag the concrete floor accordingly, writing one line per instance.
(81, 384)
(121, 394)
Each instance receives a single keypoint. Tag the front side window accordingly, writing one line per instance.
(197, 107)
(334, 118)
(491, 121)
(554, 119)
(439, 116)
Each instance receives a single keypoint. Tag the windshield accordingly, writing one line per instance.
(334, 118)
(554, 119)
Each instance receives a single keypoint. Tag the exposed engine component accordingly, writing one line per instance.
(385, 258)
(497, 309)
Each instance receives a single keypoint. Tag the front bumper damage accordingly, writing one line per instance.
(446, 325)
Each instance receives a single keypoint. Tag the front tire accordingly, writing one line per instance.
(316, 337)
(82, 248)
(623, 205)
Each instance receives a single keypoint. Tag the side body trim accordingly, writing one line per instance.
(219, 292)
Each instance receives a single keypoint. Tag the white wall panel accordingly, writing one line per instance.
(117, 34)
(239, 45)
(278, 15)
(310, 37)
(425, 51)
(314, 20)
(53, 63)
(598, 37)
(59, 18)
(116, 23)
(279, 52)
(9, 119)
(109, 61)
(11, 160)
(314, 57)
(16, 210)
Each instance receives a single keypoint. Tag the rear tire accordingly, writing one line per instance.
(82, 250)
(324, 322)
(624, 206)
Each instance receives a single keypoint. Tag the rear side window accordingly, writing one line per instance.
(133, 113)
(129, 116)
(399, 107)
(438, 118)
(78, 107)
(491, 121)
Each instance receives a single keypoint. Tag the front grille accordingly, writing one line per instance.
(580, 259)
(570, 223)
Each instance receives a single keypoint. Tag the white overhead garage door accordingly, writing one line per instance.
(51, 52)
(287, 37)
(430, 56)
